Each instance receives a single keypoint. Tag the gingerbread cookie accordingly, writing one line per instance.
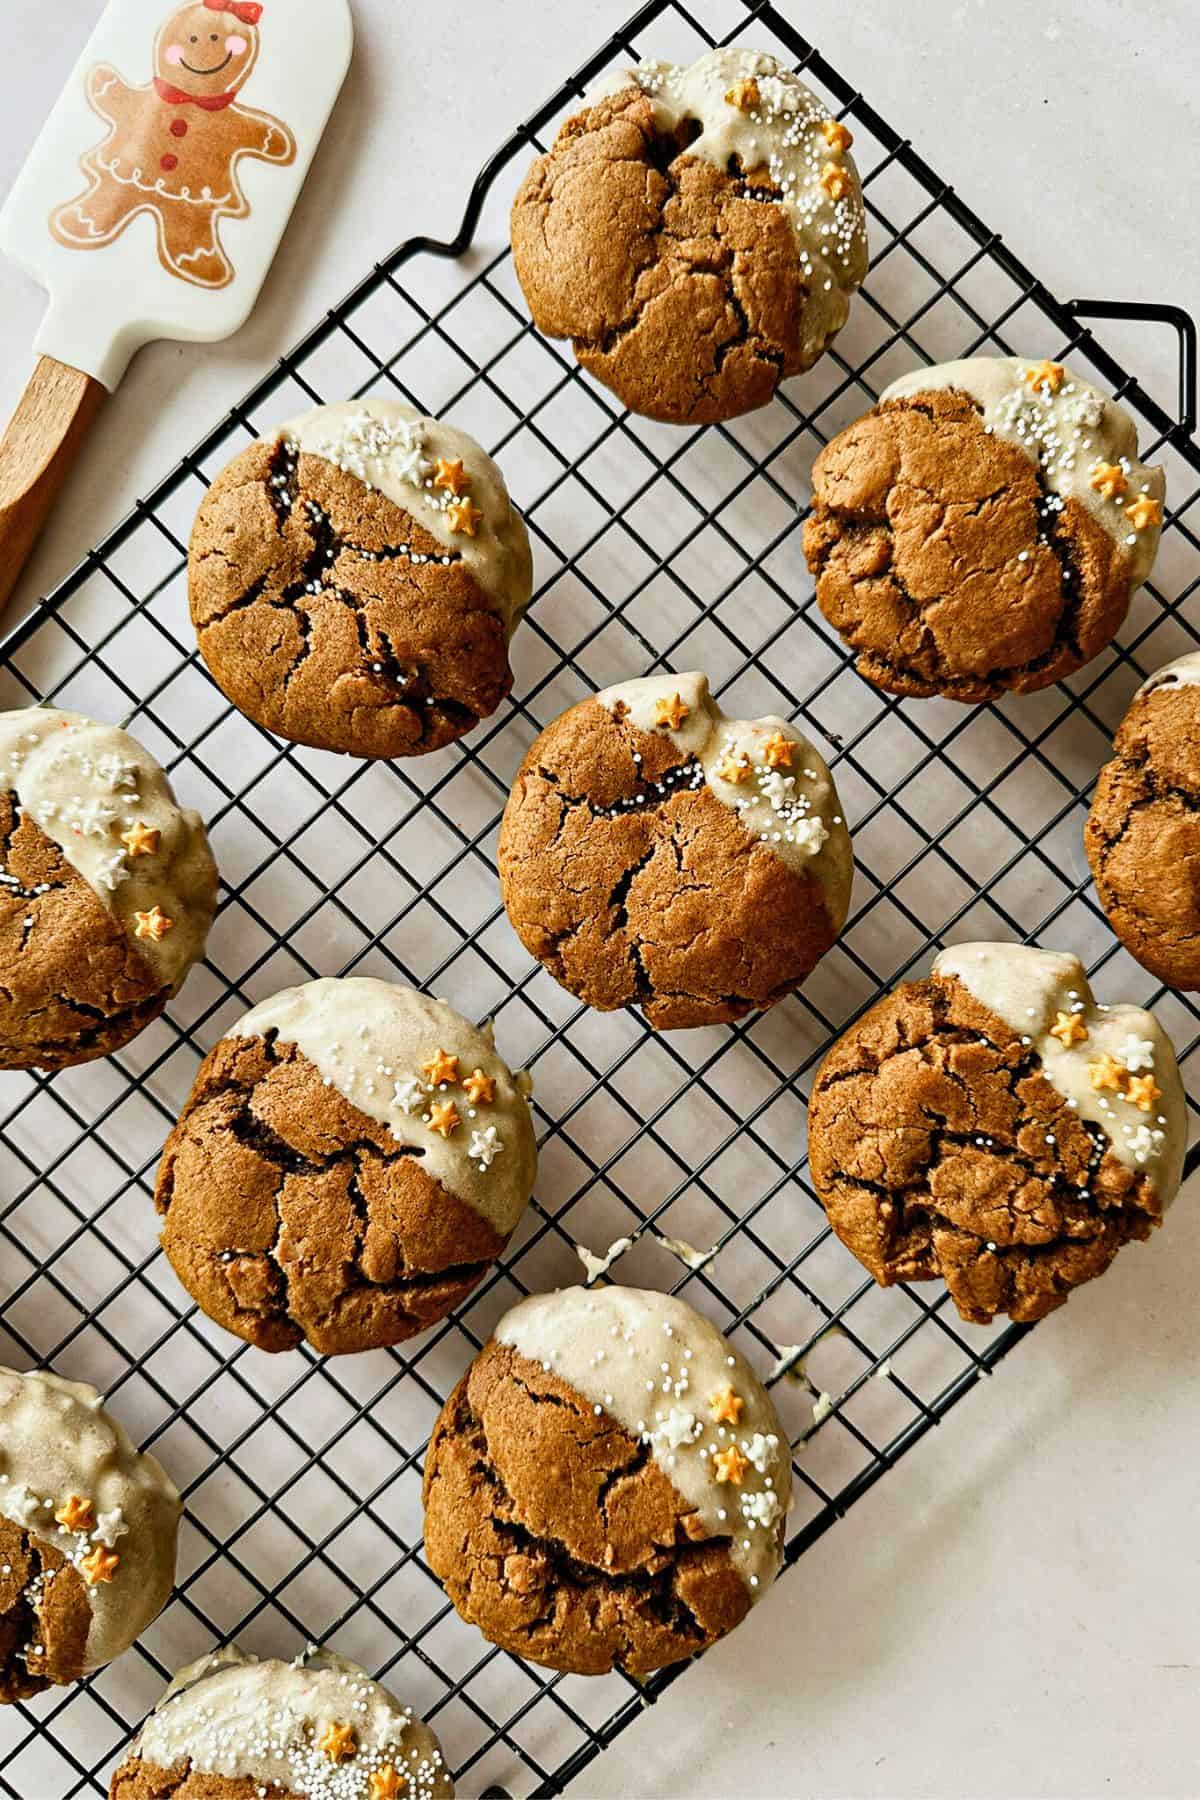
(656, 853)
(351, 1160)
(982, 530)
(608, 1484)
(1143, 832)
(995, 1126)
(87, 1534)
(173, 147)
(234, 1727)
(697, 232)
(107, 889)
(355, 581)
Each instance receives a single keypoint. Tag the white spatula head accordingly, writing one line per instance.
(155, 198)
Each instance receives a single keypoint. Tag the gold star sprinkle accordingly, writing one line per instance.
(464, 515)
(837, 135)
(339, 1742)
(76, 1514)
(440, 1068)
(140, 839)
(1108, 479)
(444, 1118)
(100, 1565)
(1144, 511)
(745, 95)
(479, 1088)
(1045, 374)
(387, 1782)
(733, 766)
(1143, 1091)
(671, 711)
(835, 181)
(730, 1465)
(778, 751)
(153, 924)
(451, 476)
(726, 1406)
(1106, 1072)
(1069, 1029)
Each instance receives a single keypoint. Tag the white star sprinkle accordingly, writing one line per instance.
(1137, 1053)
(485, 1147)
(110, 1526)
(409, 1095)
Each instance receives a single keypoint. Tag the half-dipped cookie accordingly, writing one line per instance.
(352, 1158)
(237, 1727)
(107, 889)
(981, 531)
(995, 1126)
(698, 232)
(656, 853)
(356, 577)
(87, 1534)
(608, 1484)
(1143, 831)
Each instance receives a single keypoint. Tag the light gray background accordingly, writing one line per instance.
(1016, 1609)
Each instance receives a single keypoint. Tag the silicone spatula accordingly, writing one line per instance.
(153, 203)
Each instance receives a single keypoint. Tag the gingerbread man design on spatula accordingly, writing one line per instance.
(173, 146)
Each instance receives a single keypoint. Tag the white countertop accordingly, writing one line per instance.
(1016, 1608)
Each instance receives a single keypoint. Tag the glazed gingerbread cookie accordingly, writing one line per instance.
(697, 232)
(982, 530)
(107, 889)
(356, 578)
(656, 853)
(352, 1159)
(1143, 831)
(237, 1727)
(87, 1534)
(608, 1485)
(994, 1125)
(173, 147)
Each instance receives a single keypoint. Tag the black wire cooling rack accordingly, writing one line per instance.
(655, 547)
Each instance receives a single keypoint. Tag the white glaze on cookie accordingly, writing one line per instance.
(1068, 433)
(233, 1715)
(792, 808)
(58, 1441)
(369, 1040)
(1032, 990)
(659, 1368)
(785, 134)
(390, 447)
(1183, 672)
(84, 784)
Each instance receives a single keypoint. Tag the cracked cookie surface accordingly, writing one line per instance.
(44, 1615)
(290, 1215)
(138, 1780)
(938, 1147)
(555, 1532)
(941, 563)
(334, 617)
(626, 877)
(1143, 831)
(690, 282)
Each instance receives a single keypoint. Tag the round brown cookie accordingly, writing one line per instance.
(351, 1160)
(237, 1727)
(697, 868)
(994, 1126)
(588, 1513)
(982, 529)
(355, 581)
(1143, 831)
(87, 1534)
(107, 889)
(697, 232)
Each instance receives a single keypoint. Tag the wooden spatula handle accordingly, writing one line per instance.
(36, 454)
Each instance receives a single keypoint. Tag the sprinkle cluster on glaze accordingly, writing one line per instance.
(668, 1377)
(378, 1044)
(413, 461)
(1070, 430)
(1113, 1064)
(233, 1715)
